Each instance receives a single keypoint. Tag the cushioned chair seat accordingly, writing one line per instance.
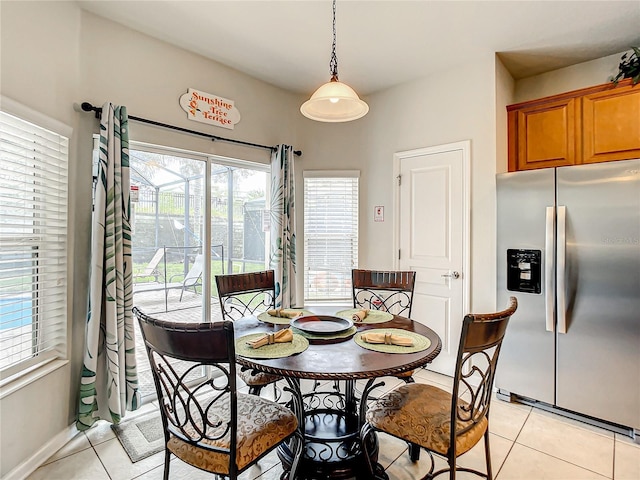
(421, 414)
(261, 425)
(253, 378)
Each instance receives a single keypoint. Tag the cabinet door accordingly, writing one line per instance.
(547, 135)
(611, 124)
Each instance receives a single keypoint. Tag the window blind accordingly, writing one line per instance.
(330, 234)
(33, 244)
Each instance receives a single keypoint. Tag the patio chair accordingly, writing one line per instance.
(151, 270)
(448, 424)
(209, 424)
(192, 279)
(241, 295)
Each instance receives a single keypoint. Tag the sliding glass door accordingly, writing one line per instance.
(238, 212)
(194, 217)
(168, 216)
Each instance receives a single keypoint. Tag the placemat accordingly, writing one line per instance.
(374, 316)
(420, 342)
(313, 336)
(265, 317)
(276, 350)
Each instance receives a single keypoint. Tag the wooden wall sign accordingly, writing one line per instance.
(207, 108)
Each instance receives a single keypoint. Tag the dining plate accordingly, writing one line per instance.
(321, 324)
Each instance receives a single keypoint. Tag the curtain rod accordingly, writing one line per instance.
(87, 107)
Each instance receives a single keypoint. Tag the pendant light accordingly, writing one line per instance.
(334, 101)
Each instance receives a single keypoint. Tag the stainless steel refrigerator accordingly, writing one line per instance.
(569, 249)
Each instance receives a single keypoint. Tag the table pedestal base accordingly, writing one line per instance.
(332, 448)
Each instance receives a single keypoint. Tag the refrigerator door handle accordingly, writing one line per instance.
(549, 276)
(560, 270)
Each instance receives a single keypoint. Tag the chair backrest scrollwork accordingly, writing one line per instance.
(244, 294)
(391, 291)
(193, 409)
(478, 352)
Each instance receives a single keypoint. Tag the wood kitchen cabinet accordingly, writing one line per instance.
(611, 124)
(596, 124)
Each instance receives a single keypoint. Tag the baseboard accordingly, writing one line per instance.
(596, 422)
(30, 465)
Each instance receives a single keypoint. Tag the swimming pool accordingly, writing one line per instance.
(15, 311)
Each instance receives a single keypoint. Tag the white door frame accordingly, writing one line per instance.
(465, 147)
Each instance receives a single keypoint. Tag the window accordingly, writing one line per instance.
(33, 243)
(330, 234)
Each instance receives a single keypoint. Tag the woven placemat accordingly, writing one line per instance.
(420, 342)
(276, 350)
(265, 317)
(314, 336)
(374, 316)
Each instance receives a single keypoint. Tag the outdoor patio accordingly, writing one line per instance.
(153, 303)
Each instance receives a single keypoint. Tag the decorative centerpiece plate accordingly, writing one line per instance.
(321, 324)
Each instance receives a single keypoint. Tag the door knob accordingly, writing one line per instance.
(452, 275)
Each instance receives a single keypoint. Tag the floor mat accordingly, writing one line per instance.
(141, 436)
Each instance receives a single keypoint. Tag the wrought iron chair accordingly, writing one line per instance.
(241, 295)
(206, 422)
(391, 291)
(448, 424)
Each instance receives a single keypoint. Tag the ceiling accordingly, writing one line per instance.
(382, 43)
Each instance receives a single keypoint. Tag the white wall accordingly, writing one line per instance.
(152, 75)
(452, 106)
(39, 53)
(55, 55)
(582, 75)
(505, 93)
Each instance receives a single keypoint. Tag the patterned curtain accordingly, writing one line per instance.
(283, 226)
(109, 383)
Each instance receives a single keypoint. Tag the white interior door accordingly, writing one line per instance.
(432, 212)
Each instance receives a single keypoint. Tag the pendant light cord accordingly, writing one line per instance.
(333, 63)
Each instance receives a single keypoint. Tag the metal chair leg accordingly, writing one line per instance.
(487, 455)
(414, 452)
(167, 460)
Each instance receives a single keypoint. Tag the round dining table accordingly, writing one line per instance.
(332, 413)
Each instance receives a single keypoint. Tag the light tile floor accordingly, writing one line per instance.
(526, 444)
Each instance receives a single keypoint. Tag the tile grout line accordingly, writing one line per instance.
(577, 427)
(513, 443)
(613, 467)
(565, 461)
(100, 460)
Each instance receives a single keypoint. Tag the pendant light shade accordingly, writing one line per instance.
(334, 101)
